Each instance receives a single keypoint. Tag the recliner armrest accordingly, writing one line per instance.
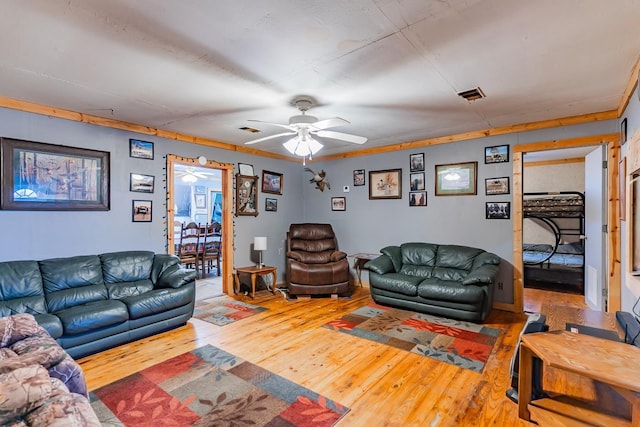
(297, 256)
(381, 265)
(175, 277)
(337, 256)
(487, 273)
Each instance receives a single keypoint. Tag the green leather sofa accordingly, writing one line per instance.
(90, 303)
(445, 280)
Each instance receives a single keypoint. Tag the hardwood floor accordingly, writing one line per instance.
(383, 386)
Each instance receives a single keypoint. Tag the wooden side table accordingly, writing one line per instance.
(359, 260)
(254, 272)
(609, 362)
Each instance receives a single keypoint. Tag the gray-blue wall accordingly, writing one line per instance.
(365, 226)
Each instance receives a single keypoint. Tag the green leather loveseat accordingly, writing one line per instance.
(445, 280)
(93, 302)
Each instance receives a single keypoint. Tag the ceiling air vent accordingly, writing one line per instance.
(472, 94)
(248, 129)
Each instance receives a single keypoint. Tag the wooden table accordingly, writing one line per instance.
(254, 271)
(609, 362)
(359, 260)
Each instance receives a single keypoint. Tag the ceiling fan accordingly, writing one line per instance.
(189, 174)
(304, 128)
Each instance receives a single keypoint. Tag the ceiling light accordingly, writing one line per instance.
(189, 178)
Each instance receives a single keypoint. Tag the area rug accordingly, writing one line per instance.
(224, 310)
(459, 343)
(210, 387)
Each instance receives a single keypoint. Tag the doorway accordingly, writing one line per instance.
(192, 185)
(612, 241)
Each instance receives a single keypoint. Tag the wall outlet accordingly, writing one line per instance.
(279, 251)
(345, 189)
(500, 286)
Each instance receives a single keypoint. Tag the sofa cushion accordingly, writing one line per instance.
(92, 315)
(400, 283)
(72, 281)
(126, 289)
(21, 288)
(127, 266)
(157, 301)
(51, 323)
(457, 257)
(447, 290)
(423, 254)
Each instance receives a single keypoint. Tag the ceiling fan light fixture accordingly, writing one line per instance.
(189, 178)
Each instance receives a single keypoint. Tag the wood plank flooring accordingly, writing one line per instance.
(383, 386)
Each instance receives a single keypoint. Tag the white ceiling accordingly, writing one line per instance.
(391, 67)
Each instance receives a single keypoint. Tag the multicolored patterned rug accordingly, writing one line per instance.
(224, 310)
(210, 387)
(459, 343)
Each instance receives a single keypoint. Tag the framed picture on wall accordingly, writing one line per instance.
(140, 149)
(496, 154)
(494, 186)
(358, 177)
(417, 181)
(39, 176)
(498, 210)
(385, 184)
(246, 195)
(201, 201)
(417, 198)
(141, 183)
(416, 162)
(456, 179)
(141, 211)
(270, 205)
(338, 203)
(271, 182)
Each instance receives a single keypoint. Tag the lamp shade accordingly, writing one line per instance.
(260, 243)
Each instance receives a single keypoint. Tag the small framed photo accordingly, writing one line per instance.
(338, 203)
(358, 177)
(201, 201)
(498, 210)
(199, 189)
(140, 149)
(141, 211)
(456, 179)
(416, 162)
(141, 183)
(271, 182)
(493, 186)
(417, 181)
(417, 198)
(245, 169)
(496, 154)
(270, 205)
(385, 184)
(623, 131)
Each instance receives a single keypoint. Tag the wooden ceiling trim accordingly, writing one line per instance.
(631, 86)
(553, 162)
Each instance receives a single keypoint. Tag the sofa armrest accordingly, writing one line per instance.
(485, 274)
(338, 255)
(381, 265)
(161, 262)
(175, 277)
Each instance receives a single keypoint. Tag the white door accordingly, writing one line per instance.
(595, 219)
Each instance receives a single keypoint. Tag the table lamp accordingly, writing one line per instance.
(260, 244)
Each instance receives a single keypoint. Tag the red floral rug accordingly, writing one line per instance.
(223, 310)
(210, 387)
(459, 343)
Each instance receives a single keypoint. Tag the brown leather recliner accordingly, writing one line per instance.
(315, 266)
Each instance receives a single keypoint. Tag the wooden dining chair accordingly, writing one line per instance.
(211, 239)
(189, 245)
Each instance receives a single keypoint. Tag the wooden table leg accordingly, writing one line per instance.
(236, 283)
(254, 276)
(525, 377)
(273, 284)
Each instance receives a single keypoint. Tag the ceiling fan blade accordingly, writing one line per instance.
(329, 123)
(269, 137)
(273, 124)
(200, 175)
(342, 136)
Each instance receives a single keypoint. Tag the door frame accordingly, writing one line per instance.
(227, 213)
(613, 243)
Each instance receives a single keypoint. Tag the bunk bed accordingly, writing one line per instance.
(558, 262)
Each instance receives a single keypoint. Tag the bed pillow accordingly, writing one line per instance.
(537, 247)
(570, 248)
